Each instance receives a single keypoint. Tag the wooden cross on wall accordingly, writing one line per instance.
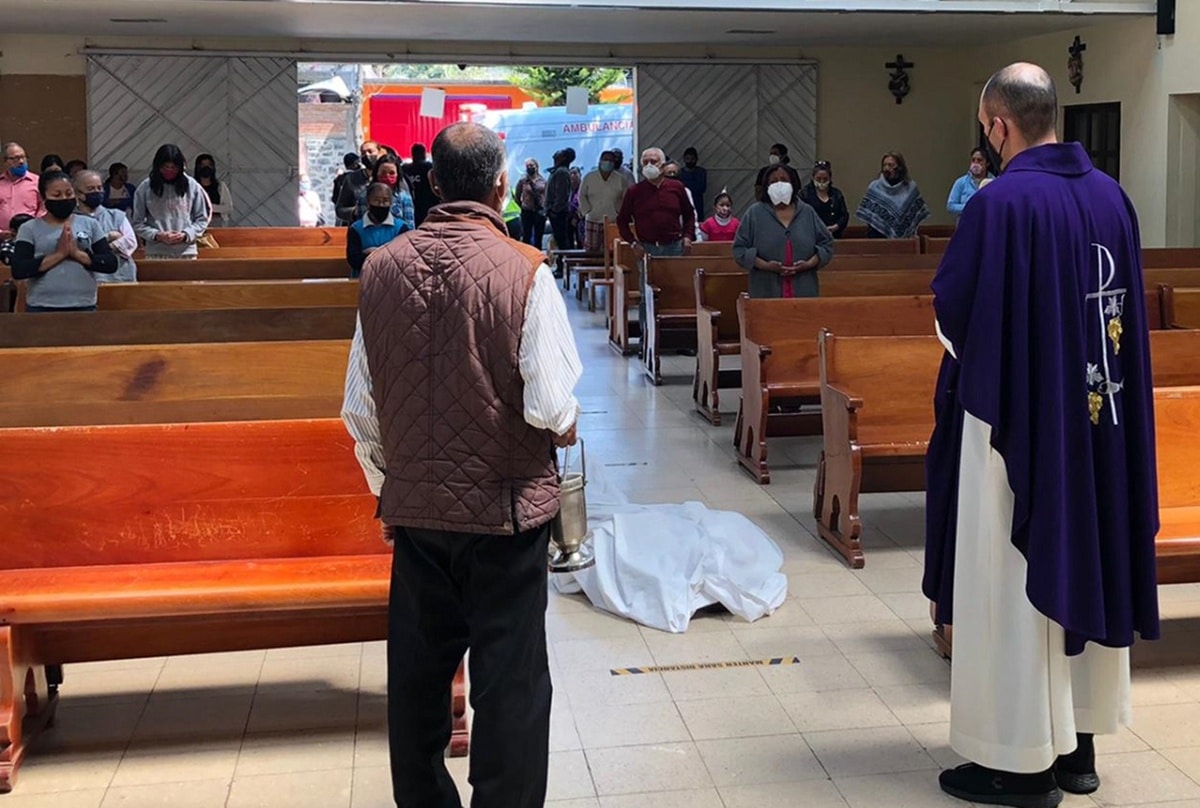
(898, 82)
(1075, 63)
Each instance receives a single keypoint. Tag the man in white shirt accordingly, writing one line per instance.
(600, 197)
(460, 384)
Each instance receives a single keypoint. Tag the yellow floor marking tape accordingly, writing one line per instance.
(698, 666)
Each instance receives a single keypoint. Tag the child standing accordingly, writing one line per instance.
(722, 225)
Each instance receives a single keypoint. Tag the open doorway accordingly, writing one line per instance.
(341, 105)
(1183, 171)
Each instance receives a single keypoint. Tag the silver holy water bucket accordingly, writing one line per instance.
(569, 532)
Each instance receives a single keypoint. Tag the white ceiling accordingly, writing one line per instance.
(390, 25)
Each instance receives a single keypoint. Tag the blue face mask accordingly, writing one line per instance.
(19, 171)
(606, 165)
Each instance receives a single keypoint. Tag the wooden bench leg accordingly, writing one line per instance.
(751, 432)
(27, 702)
(839, 481)
(460, 738)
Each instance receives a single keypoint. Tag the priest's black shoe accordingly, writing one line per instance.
(984, 786)
(1076, 772)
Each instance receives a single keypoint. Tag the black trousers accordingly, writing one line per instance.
(451, 592)
(564, 237)
(533, 227)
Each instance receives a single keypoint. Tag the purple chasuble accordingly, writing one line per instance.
(1041, 294)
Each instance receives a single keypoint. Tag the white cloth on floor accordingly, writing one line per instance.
(1016, 698)
(658, 564)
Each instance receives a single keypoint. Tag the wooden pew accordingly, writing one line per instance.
(1180, 307)
(8, 296)
(884, 450)
(941, 230)
(670, 295)
(228, 294)
(279, 236)
(877, 246)
(176, 326)
(137, 541)
(781, 383)
(842, 261)
(1177, 438)
(717, 335)
(244, 269)
(1169, 257)
(866, 449)
(196, 382)
(281, 251)
(934, 245)
(588, 268)
(624, 299)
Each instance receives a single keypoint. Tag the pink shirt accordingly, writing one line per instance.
(19, 196)
(715, 231)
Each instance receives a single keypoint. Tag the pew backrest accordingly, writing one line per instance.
(1175, 357)
(851, 262)
(192, 382)
(176, 326)
(228, 294)
(877, 246)
(279, 236)
(897, 375)
(183, 492)
(1180, 307)
(768, 321)
(279, 251)
(1176, 425)
(718, 292)
(675, 276)
(245, 269)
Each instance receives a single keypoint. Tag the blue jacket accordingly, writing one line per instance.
(365, 236)
(964, 188)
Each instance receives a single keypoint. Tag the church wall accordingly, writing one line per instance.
(1125, 61)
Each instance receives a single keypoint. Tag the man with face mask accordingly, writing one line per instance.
(659, 209)
(89, 200)
(695, 179)
(18, 188)
(969, 184)
(457, 393)
(777, 154)
(356, 182)
(622, 169)
(600, 197)
(1041, 509)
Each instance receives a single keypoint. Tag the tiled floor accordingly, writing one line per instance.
(861, 722)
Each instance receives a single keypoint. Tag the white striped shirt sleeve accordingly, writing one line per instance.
(548, 361)
(548, 358)
(359, 416)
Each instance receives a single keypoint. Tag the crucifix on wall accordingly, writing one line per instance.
(898, 82)
(1075, 63)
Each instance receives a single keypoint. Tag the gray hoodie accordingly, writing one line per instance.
(153, 214)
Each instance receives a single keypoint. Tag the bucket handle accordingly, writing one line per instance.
(566, 461)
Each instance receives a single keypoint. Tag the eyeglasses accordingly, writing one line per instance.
(16, 158)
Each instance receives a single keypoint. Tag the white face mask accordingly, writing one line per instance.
(780, 193)
(651, 171)
(773, 159)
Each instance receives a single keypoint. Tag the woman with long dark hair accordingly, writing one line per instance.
(170, 209)
(218, 192)
(892, 206)
(52, 163)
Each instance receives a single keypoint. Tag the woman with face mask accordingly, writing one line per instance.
(530, 194)
(893, 206)
(61, 253)
(722, 225)
(377, 227)
(970, 183)
(218, 192)
(387, 172)
(781, 241)
(170, 209)
(826, 200)
(778, 155)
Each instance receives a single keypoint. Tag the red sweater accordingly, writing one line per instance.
(661, 213)
(715, 231)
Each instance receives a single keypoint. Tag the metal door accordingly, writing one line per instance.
(731, 113)
(240, 109)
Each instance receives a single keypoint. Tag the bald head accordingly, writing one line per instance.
(1023, 95)
(468, 163)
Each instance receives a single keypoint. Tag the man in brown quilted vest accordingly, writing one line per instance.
(459, 387)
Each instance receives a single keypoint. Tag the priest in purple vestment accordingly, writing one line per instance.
(1042, 492)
